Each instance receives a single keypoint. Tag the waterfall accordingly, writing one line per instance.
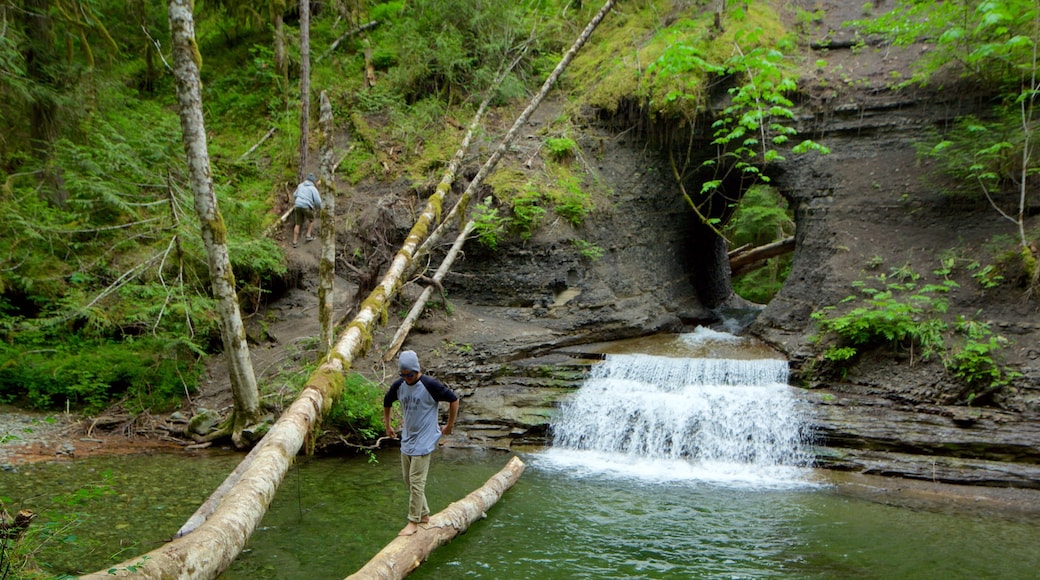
(720, 418)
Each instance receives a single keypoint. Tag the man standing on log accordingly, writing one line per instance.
(420, 432)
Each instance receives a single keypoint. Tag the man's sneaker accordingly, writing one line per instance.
(310, 238)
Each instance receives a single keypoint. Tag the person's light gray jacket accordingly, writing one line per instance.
(307, 196)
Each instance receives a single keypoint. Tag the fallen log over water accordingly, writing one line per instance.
(406, 553)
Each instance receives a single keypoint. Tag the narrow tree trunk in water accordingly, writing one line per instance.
(406, 553)
(214, 234)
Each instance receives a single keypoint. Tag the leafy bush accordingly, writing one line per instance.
(570, 200)
(560, 148)
(147, 373)
(359, 409)
(527, 213)
(901, 315)
(897, 314)
(489, 226)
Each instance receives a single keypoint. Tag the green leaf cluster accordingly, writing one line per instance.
(761, 217)
(359, 409)
(489, 227)
(991, 40)
(894, 310)
(144, 373)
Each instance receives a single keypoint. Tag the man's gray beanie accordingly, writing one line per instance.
(310, 177)
(408, 361)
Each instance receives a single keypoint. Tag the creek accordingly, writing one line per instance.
(689, 460)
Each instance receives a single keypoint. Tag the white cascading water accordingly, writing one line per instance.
(684, 418)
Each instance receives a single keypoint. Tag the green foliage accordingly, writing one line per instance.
(489, 226)
(146, 373)
(991, 40)
(247, 93)
(987, 276)
(527, 212)
(570, 201)
(756, 123)
(359, 409)
(983, 152)
(560, 148)
(973, 360)
(588, 249)
(762, 217)
(449, 48)
(894, 310)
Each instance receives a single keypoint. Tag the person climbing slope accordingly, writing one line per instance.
(306, 201)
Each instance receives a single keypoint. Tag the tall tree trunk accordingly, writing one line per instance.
(327, 262)
(305, 84)
(281, 59)
(214, 234)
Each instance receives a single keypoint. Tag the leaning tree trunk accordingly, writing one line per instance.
(208, 548)
(214, 234)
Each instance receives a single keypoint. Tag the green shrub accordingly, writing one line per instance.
(896, 314)
(588, 249)
(901, 315)
(570, 201)
(973, 360)
(527, 213)
(489, 226)
(560, 148)
(146, 373)
(359, 409)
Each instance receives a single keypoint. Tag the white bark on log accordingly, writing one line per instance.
(332, 47)
(406, 553)
(266, 136)
(211, 223)
(213, 545)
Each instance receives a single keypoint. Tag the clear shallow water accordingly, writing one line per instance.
(331, 515)
(693, 504)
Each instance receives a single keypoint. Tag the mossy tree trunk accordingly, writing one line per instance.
(186, 61)
(327, 262)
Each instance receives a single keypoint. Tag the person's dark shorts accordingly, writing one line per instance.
(302, 215)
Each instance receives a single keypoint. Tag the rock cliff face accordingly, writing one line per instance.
(526, 316)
